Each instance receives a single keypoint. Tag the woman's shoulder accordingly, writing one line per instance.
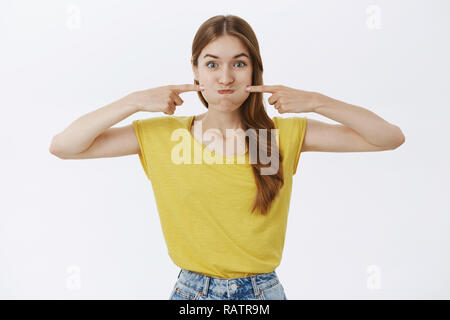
(169, 121)
(285, 123)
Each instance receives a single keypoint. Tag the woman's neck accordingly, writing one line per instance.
(220, 120)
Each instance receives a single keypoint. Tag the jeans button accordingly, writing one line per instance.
(233, 286)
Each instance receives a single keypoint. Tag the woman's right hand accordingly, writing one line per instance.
(163, 99)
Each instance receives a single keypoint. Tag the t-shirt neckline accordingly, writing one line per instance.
(213, 153)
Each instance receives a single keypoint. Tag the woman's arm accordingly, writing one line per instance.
(361, 129)
(82, 132)
(90, 136)
(367, 124)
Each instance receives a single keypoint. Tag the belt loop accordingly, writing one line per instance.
(256, 290)
(179, 273)
(204, 291)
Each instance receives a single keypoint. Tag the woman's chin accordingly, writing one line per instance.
(225, 107)
(225, 104)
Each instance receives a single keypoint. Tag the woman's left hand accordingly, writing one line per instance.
(287, 99)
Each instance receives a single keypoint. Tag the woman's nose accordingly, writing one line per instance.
(226, 76)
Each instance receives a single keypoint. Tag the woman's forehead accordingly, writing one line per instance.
(224, 48)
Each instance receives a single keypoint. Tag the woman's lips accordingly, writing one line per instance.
(226, 91)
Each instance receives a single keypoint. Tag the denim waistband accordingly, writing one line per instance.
(203, 283)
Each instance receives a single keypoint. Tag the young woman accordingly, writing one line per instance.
(224, 222)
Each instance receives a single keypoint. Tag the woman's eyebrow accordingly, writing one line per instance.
(216, 57)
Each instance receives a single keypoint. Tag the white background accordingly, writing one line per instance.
(369, 225)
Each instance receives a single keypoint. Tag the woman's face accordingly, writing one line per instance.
(224, 64)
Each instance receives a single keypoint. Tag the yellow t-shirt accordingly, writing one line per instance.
(205, 207)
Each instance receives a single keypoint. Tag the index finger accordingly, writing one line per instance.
(262, 88)
(186, 87)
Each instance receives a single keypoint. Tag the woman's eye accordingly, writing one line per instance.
(208, 63)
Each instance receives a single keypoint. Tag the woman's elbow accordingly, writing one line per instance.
(400, 138)
(54, 149)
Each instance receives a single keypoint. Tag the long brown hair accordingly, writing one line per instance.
(252, 111)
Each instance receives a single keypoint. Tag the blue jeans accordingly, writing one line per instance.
(195, 286)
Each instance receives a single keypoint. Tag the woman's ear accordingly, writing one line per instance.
(194, 70)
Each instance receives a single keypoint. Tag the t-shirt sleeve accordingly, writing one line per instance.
(299, 131)
(143, 140)
(292, 133)
(146, 131)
